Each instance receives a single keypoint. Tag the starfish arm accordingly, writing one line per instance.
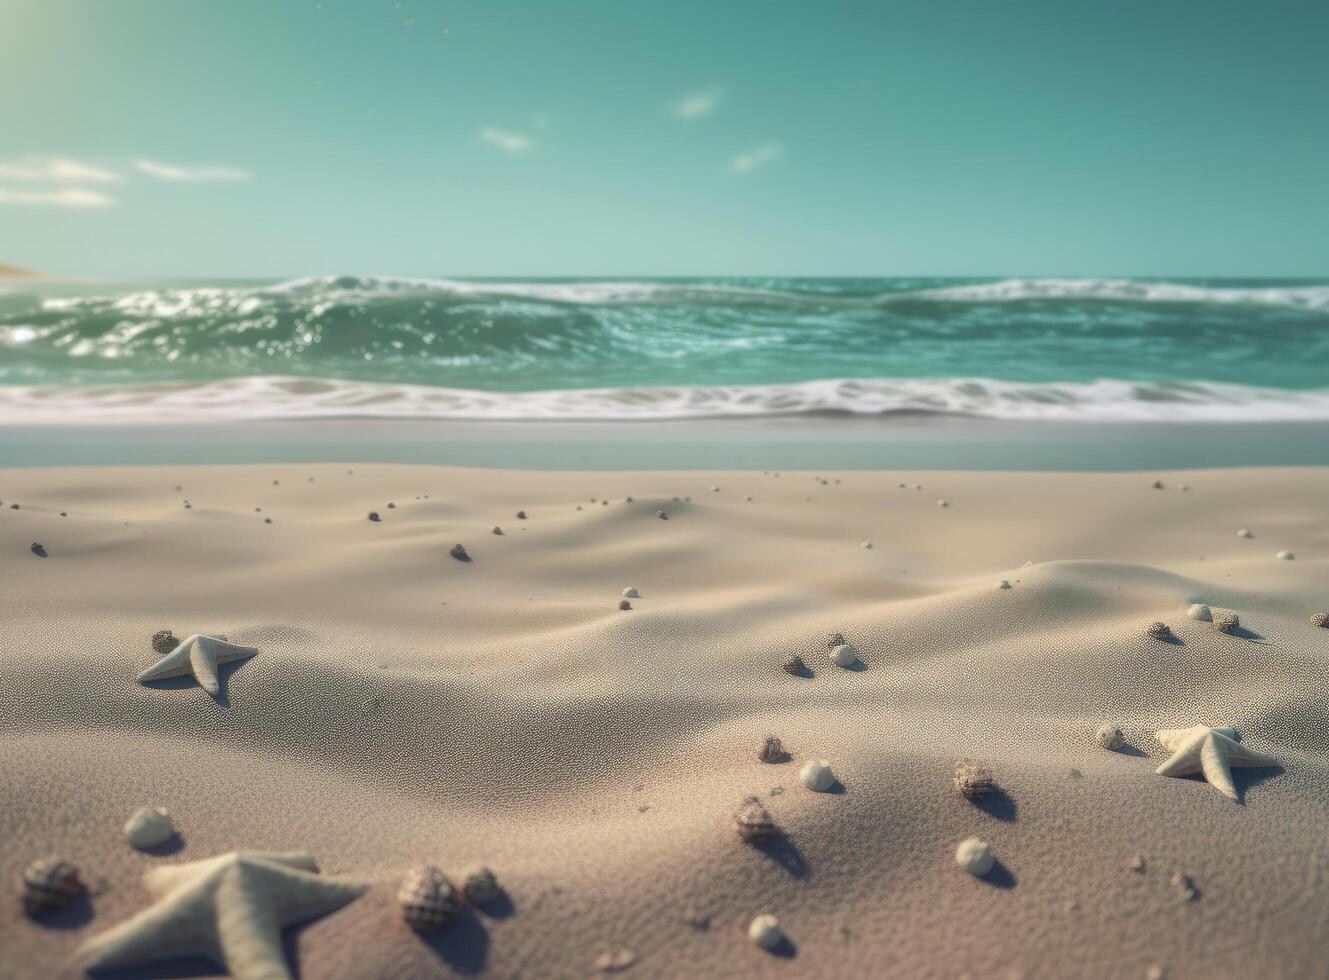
(1214, 761)
(249, 930)
(204, 664)
(178, 926)
(1240, 755)
(1182, 763)
(226, 652)
(173, 664)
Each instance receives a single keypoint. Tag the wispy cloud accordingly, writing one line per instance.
(69, 197)
(167, 171)
(57, 170)
(762, 155)
(506, 140)
(698, 104)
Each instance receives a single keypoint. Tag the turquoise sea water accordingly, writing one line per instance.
(1089, 349)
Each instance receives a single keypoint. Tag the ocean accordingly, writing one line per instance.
(388, 347)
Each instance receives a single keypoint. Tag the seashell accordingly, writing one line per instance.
(1243, 533)
(942, 502)
(1320, 619)
(1157, 484)
(631, 593)
(1159, 631)
(496, 530)
(521, 515)
(975, 856)
(624, 604)
(458, 551)
(844, 655)
(772, 750)
(1283, 555)
(49, 883)
(391, 505)
(1184, 885)
(836, 640)
(714, 488)
(973, 780)
(1110, 737)
(38, 550)
(754, 821)
(479, 886)
(795, 665)
(765, 931)
(867, 545)
(817, 776)
(164, 641)
(1003, 584)
(662, 515)
(1200, 612)
(428, 899)
(1226, 620)
(148, 827)
(373, 516)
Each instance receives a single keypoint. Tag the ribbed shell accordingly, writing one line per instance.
(973, 781)
(754, 821)
(480, 886)
(428, 899)
(1159, 631)
(49, 883)
(835, 640)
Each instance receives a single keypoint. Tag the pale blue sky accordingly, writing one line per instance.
(258, 138)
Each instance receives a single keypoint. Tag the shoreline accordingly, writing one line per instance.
(794, 443)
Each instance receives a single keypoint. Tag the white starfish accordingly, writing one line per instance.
(198, 655)
(1212, 751)
(230, 908)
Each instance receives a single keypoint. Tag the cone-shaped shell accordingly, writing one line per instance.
(49, 883)
(772, 750)
(480, 886)
(428, 899)
(795, 665)
(1159, 631)
(972, 780)
(754, 821)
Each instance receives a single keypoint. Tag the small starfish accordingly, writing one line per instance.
(198, 655)
(1212, 751)
(230, 908)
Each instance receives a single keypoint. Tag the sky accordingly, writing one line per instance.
(257, 138)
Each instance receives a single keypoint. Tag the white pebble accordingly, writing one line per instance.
(1243, 533)
(844, 655)
(1285, 555)
(868, 545)
(148, 827)
(816, 775)
(1003, 584)
(765, 931)
(714, 489)
(942, 503)
(1201, 612)
(631, 593)
(975, 856)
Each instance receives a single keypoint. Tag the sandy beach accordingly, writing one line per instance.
(407, 707)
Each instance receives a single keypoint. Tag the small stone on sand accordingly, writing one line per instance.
(765, 931)
(615, 960)
(631, 593)
(816, 775)
(868, 545)
(1285, 555)
(1110, 737)
(148, 827)
(48, 884)
(458, 551)
(973, 781)
(624, 604)
(942, 502)
(974, 856)
(795, 665)
(479, 886)
(496, 530)
(1243, 533)
(38, 550)
(1184, 886)
(164, 641)
(1320, 619)
(1157, 484)
(1138, 864)
(844, 655)
(754, 822)
(1227, 621)
(1159, 631)
(1003, 584)
(772, 750)
(662, 515)
(521, 515)
(1201, 612)
(373, 516)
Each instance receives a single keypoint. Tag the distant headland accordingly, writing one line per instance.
(14, 272)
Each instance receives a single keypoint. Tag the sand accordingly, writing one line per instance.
(409, 708)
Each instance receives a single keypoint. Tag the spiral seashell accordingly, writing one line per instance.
(428, 899)
(49, 883)
(164, 641)
(754, 821)
(479, 886)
